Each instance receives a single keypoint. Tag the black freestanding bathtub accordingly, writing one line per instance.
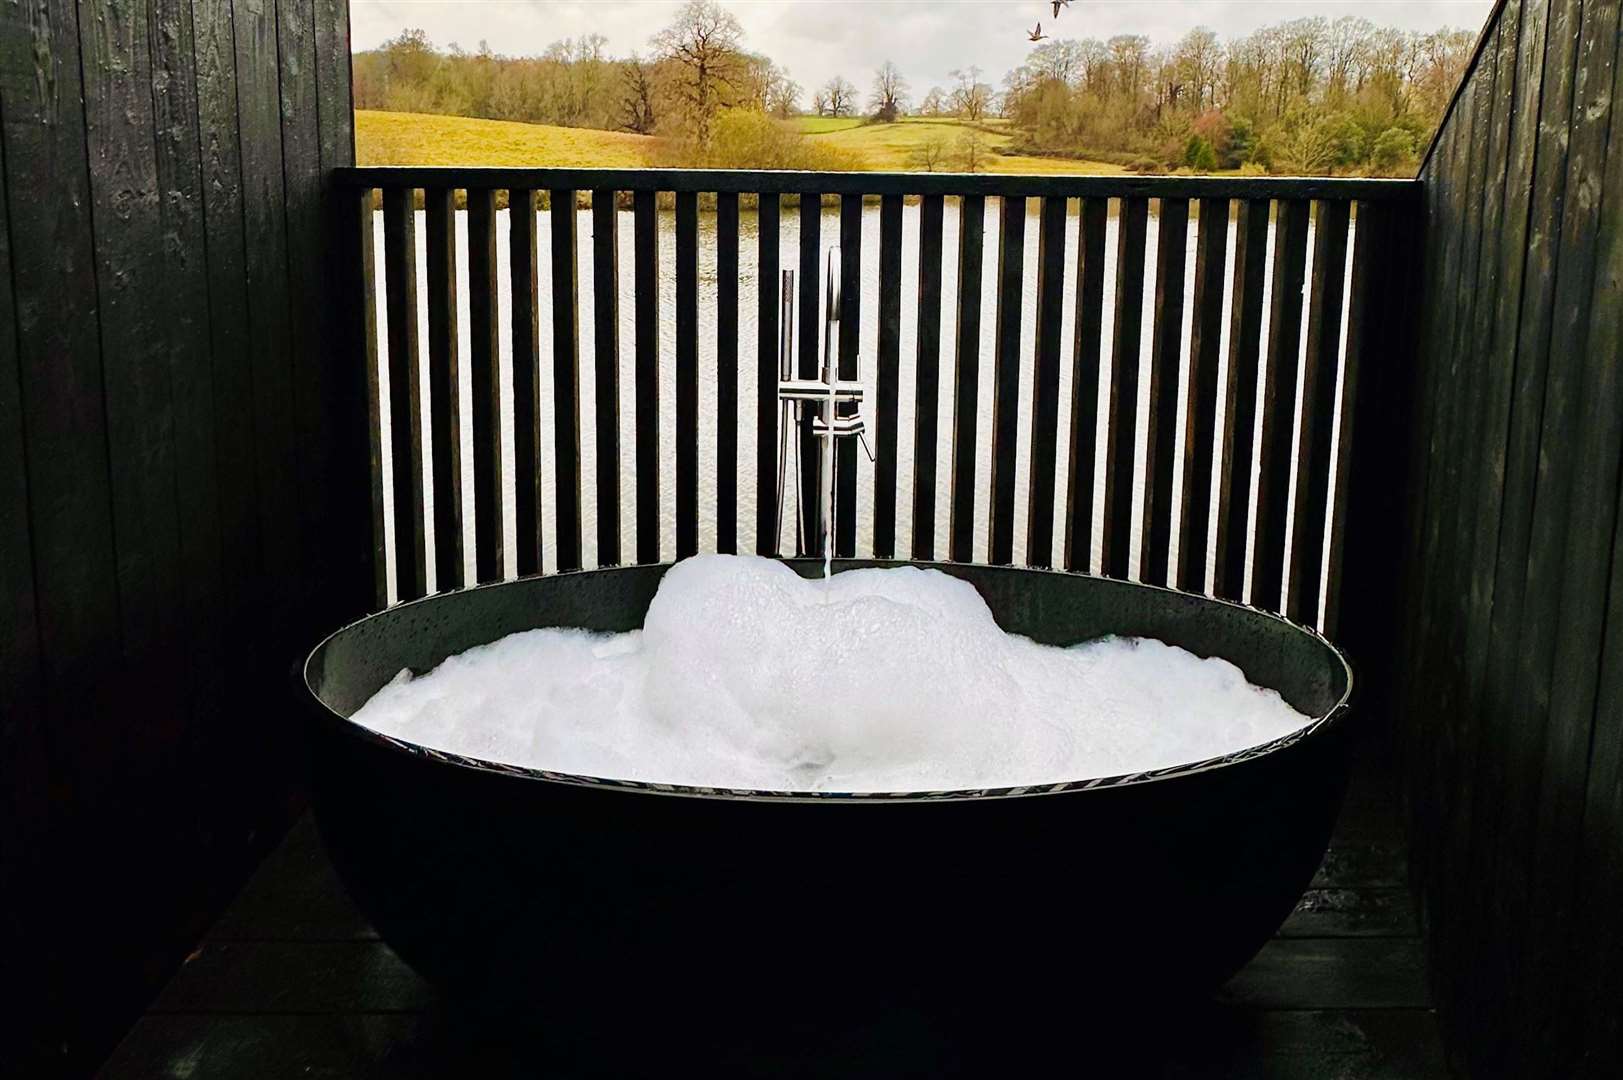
(649, 913)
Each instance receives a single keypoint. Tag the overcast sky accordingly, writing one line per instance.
(816, 39)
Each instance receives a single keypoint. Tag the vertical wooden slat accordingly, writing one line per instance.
(1319, 379)
(566, 376)
(1161, 425)
(444, 387)
(1045, 383)
(1237, 448)
(484, 361)
(264, 230)
(927, 376)
(405, 392)
(1121, 437)
(1279, 403)
(525, 277)
(645, 241)
(1011, 254)
(845, 463)
(767, 288)
(888, 375)
(1355, 396)
(606, 354)
(1094, 216)
(727, 372)
(966, 386)
(811, 295)
(226, 254)
(341, 438)
(1205, 345)
(365, 339)
(191, 378)
(687, 374)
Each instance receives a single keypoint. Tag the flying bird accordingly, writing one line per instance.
(1060, 4)
(1037, 34)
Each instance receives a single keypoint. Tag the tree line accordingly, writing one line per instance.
(1309, 95)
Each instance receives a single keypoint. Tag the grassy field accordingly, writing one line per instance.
(390, 138)
(895, 147)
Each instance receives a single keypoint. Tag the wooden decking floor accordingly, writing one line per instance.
(292, 982)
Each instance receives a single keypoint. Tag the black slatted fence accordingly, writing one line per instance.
(1174, 405)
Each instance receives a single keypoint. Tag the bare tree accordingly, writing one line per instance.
(704, 44)
(637, 95)
(971, 98)
(819, 103)
(934, 103)
(931, 154)
(783, 100)
(889, 93)
(972, 151)
(839, 96)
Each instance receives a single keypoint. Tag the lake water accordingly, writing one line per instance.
(745, 421)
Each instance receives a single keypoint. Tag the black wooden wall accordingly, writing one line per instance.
(171, 523)
(1514, 700)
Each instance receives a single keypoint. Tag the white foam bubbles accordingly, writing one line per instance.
(897, 679)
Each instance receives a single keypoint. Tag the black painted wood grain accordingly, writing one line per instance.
(444, 385)
(1090, 291)
(606, 371)
(927, 376)
(645, 248)
(1161, 423)
(727, 419)
(1011, 253)
(565, 378)
(1122, 415)
(966, 379)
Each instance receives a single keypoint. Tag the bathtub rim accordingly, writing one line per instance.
(1333, 719)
